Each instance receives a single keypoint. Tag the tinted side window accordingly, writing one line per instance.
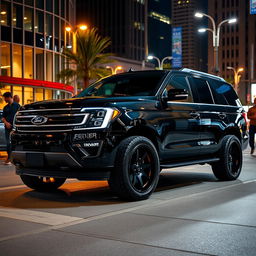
(218, 93)
(179, 82)
(226, 91)
(202, 92)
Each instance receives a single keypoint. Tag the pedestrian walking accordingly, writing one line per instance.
(252, 130)
(9, 112)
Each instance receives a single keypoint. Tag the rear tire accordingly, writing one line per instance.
(42, 184)
(136, 171)
(231, 159)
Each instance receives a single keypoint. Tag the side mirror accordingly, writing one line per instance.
(177, 94)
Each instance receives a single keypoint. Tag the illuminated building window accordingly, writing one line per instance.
(17, 16)
(5, 59)
(139, 26)
(140, 1)
(28, 95)
(28, 22)
(39, 94)
(17, 61)
(5, 13)
(160, 17)
(39, 64)
(49, 66)
(28, 65)
(39, 26)
(47, 94)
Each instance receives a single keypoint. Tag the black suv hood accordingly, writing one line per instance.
(83, 102)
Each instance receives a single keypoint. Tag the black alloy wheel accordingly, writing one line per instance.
(231, 159)
(137, 168)
(141, 168)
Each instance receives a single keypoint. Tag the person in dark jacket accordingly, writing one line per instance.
(252, 130)
(9, 112)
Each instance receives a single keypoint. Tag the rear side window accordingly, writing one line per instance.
(201, 90)
(224, 93)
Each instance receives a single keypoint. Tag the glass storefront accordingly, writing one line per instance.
(31, 40)
(29, 94)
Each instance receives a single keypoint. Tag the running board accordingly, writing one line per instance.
(185, 163)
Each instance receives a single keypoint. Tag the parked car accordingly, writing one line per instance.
(2, 134)
(126, 128)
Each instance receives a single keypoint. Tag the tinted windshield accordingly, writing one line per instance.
(134, 84)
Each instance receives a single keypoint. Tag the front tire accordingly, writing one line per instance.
(231, 159)
(42, 184)
(137, 168)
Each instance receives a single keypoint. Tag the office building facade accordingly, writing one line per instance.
(124, 22)
(159, 28)
(31, 39)
(237, 44)
(194, 46)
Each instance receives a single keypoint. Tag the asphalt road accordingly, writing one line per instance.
(191, 213)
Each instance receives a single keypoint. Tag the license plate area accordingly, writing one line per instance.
(35, 159)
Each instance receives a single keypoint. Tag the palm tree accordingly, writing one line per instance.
(88, 58)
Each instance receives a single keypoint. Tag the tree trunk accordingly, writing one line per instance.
(86, 82)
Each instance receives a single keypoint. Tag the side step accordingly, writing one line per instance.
(185, 163)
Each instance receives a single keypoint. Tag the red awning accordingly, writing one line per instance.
(37, 83)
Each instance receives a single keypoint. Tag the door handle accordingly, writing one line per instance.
(222, 115)
(194, 115)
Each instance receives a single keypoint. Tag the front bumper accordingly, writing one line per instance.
(59, 155)
(58, 165)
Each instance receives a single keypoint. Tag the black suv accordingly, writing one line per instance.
(127, 128)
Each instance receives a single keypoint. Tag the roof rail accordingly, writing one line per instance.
(195, 72)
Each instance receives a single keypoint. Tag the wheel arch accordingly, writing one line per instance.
(234, 131)
(147, 132)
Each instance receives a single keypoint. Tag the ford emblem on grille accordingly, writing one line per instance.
(38, 120)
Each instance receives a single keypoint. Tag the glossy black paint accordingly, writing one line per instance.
(181, 131)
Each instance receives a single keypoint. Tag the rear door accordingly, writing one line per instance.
(213, 117)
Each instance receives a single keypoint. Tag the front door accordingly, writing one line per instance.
(180, 123)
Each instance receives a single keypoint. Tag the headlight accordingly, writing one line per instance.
(99, 117)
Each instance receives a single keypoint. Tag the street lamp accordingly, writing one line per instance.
(74, 31)
(216, 34)
(114, 70)
(160, 63)
(237, 76)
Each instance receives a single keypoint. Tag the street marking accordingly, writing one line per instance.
(57, 221)
(46, 218)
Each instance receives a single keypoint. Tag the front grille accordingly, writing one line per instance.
(49, 120)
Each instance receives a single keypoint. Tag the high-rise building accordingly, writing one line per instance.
(123, 21)
(237, 44)
(194, 46)
(159, 28)
(31, 38)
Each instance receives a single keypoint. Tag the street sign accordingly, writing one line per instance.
(252, 6)
(177, 47)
